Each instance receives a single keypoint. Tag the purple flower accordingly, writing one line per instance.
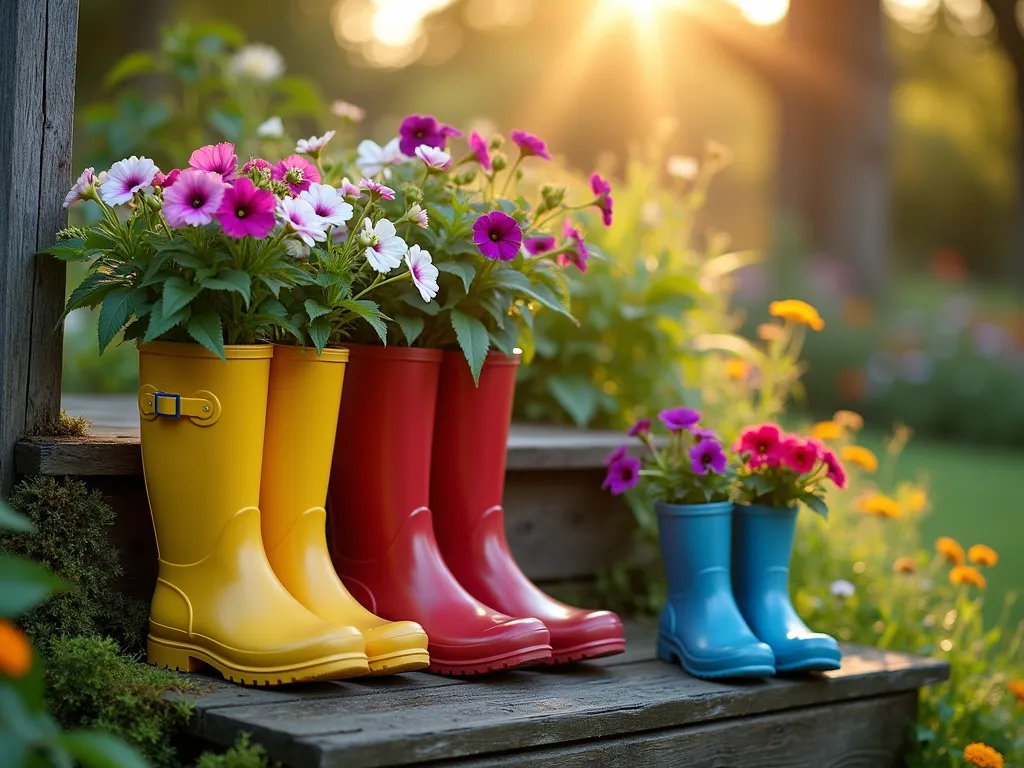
(642, 427)
(216, 158)
(246, 210)
(535, 245)
(580, 254)
(417, 130)
(529, 144)
(479, 147)
(678, 419)
(603, 190)
(497, 236)
(297, 172)
(622, 475)
(704, 434)
(376, 189)
(194, 199)
(617, 455)
(707, 455)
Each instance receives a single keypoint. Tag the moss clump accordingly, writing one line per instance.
(243, 755)
(89, 684)
(65, 426)
(71, 539)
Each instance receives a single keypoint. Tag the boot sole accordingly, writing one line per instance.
(595, 650)
(187, 658)
(668, 652)
(823, 664)
(399, 661)
(526, 657)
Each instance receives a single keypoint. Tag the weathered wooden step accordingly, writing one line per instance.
(630, 710)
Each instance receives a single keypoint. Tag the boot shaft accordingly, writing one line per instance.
(202, 429)
(695, 540)
(302, 420)
(381, 468)
(762, 547)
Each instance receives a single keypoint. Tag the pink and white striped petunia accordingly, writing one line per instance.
(194, 199)
(78, 192)
(434, 158)
(300, 218)
(424, 273)
(126, 177)
(328, 204)
(314, 145)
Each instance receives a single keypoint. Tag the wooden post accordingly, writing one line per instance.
(38, 42)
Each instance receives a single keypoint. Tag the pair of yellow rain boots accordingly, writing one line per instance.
(237, 458)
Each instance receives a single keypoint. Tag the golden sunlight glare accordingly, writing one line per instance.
(763, 12)
(641, 10)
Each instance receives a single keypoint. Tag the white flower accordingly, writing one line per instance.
(347, 111)
(314, 145)
(327, 204)
(681, 167)
(842, 588)
(125, 178)
(78, 191)
(418, 216)
(256, 62)
(383, 248)
(435, 159)
(299, 217)
(271, 129)
(372, 158)
(423, 271)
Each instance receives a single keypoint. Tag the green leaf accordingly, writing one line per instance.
(461, 269)
(473, 338)
(24, 584)
(301, 97)
(231, 280)
(727, 342)
(412, 327)
(673, 287)
(272, 307)
(186, 260)
(491, 307)
(90, 291)
(94, 749)
(522, 287)
(315, 309)
(205, 328)
(177, 294)
(135, 330)
(12, 521)
(416, 301)
(526, 344)
(504, 339)
(229, 125)
(577, 396)
(815, 503)
(274, 284)
(133, 65)
(67, 250)
(320, 333)
(114, 314)
(153, 274)
(370, 312)
(160, 323)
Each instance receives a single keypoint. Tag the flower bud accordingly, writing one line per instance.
(413, 194)
(499, 162)
(297, 249)
(280, 189)
(496, 141)
(465, 177)
(553, 196)
(521, 216)
(153, 203)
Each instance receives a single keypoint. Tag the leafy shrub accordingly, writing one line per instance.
(71, 539)
(243, 755)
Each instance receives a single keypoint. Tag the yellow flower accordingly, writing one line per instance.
(982, 756)
(950, 549)
(737, 369)
(1016, 687)
(879, 504)
(905, 564)
(797, 311)
(15, 652)
(966, 574)
(850, 420)
(826, 430)
(862, 457)
(914, 498)
(983, 555)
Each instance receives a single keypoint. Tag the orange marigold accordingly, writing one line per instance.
(737, 369)
(916, 499)
(879, 504)
(1016, 687)
(849, 420)
(862, 457)
(982, 555)
(797, 311)
(950, 549)
(905, 564)
(826, 430)
(15, 651)
(966, 574)
(982, 756)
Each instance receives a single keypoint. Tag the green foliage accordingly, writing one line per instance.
(66, 426)
(70, 537)
(243, 754)
(90, 684)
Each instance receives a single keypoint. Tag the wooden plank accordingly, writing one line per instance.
(521, 710)
(91, 456)
(38, 40)
(869, 733)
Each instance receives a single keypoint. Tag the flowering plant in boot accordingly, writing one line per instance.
(689, 467)
(780, 470)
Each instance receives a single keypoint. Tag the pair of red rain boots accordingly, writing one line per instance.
(417, 525)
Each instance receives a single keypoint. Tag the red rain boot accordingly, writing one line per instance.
(466, 489)
(382, 537)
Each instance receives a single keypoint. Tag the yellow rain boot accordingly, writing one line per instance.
(217, 600)
(302, 421)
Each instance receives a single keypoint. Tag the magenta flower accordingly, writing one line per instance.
(704, 434)
(616, 455)
(246, 210)
(762, 445)
(257, 163)
(678, 419)
(417, 130)
(194, 199)
(623, 474)
(125, 178)
(529, 145)
(348, 189)
(836, 473)
(642, 427)
(579, 254)
(297, 172)
(169, 179)
(707, 456)
(497, 236)
(82, 185)
(800, 455)
(479, 147)
(216, 158)
(536, 245)
(603, 190)
(376, 189)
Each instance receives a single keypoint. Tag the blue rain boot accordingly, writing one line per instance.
(762, 543)
(701, 627)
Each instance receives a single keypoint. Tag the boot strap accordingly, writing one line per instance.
(203, 407)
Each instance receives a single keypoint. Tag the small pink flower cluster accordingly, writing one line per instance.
(766, 447)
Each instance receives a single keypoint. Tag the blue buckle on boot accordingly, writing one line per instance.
(169, 396)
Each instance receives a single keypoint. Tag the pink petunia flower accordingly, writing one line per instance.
(800, 455)
(168, 180)
(529, 145)
(299, 218)
(194, 199)
(424, 273)
(579, 254)
(536, 245)
(602, 189)
(347, 111)
(348, 189)
(376, 189)
(836, 472)
(256, 163)
(83, 188)
(642, 427)
(622, 475)
(216, 158)
(497, 236)
(479, 148)
(435, 159)
(328, 204)
(416, 130)
(125, 178)
(314, 145)
(297, 172)
(418, 216)
(247, 210)
(762, 445)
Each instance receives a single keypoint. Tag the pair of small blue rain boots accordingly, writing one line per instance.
(707, 629)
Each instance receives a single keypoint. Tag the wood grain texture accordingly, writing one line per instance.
(38, 41)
